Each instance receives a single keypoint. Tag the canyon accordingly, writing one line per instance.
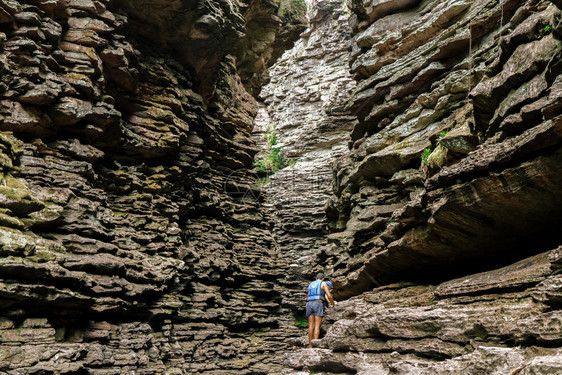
(421, 144)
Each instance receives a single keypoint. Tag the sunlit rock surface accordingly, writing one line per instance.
(303, 105)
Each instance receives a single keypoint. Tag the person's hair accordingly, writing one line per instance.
(319, 276)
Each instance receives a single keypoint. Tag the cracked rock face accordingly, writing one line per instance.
(303, 105)
(125, 246)
(133, 237)
(451, 187)
(455, 157)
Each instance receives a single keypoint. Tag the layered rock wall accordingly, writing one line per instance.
(453, 189)
(133, 236)
(506, 321)
(303, 105)
(125, 138)
(454, 159)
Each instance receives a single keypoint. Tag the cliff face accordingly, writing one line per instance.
(134, 238)
(303, 105)
(477, 86)
(455, 171)
(125, 133)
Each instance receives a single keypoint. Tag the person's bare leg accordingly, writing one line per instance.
(317, 322)
(310, 330)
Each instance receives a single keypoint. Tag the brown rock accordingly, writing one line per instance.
(84, 37)
(520, 275)
(84, 5)
(89, 24)
(322, 360)
(68, 111)
(460, 140)
(549, 291)
(44, 94)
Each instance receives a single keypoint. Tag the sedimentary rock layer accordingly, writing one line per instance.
(125, 142)
(456, 155)
(505, 321)
(304, 107)
(453, 189)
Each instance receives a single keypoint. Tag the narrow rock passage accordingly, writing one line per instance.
(303, 105)
(420, 145)
(448, 184)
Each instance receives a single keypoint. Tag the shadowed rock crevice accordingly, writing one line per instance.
(201, 34)
(303, 109)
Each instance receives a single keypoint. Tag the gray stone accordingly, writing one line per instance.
(460, 140)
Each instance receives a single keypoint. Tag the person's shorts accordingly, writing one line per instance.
(315, 308)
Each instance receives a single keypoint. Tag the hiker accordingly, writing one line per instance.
(318, 294)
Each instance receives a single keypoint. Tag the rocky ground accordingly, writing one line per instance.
(505, 321)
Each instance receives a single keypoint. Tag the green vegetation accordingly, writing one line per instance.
(298, 6)
(545, 31)
(391, 225)
(301, 323)
(441, 136)
(292, 8)
(264, 181)
(425, 154)
(274, 159)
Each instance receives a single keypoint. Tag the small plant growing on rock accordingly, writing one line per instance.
(264, 181)
(274, 158)
(425, 154)
(299, 6)
(545, 31)
(301, 323)
(293, 9)
(441, 136)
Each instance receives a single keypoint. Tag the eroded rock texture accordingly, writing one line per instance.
(133, 236)
(304, 106)
(505, 321)
(125, 140)
(456, 156)
(455, 171)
